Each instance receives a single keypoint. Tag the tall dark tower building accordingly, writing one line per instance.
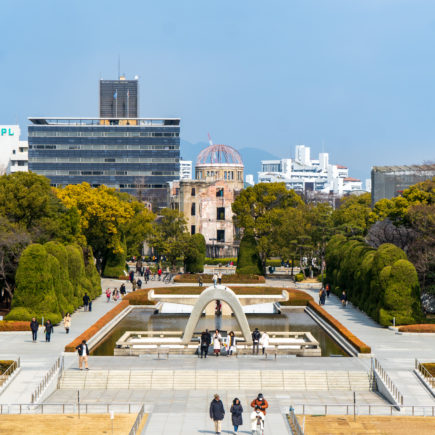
(119, 98)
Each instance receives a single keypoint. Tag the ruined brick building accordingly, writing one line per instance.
(206, 200)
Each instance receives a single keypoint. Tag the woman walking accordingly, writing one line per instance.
(217, 342)
(67, 322)
(236, 414)
(231, 343)
(108, 294)
(217, 413)
(48, 330)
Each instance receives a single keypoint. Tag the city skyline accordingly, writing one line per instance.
(354, 80)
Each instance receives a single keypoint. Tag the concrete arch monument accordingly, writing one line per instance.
(210, 294)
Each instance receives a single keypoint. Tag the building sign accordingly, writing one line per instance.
(7, 132)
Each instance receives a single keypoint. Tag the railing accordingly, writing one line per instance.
(47, 378)
(71, 408)
(4, 377)
(296, 427)
(428, 377)
(363, 409)
(398, 396)
(138, 421)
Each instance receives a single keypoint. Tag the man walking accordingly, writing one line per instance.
(34, 326)
(83, 351)
(48, 330)
(220, 277)
(86, 300)
(217, 413)
(255, 341)
(205, 343)
(261, 402)
(215, 279)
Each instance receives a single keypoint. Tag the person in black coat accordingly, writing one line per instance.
(34, 326)
(205, 343)
(48, 330)
(83, 351)
(86, 300)
(236, 414)
(217, 413)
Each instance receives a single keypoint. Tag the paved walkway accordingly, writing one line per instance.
(396, 352)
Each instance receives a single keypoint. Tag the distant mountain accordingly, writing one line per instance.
(251, 156)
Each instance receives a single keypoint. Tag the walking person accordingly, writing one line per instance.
(48, 330)
(205, 341)
(257, 421)
(232, 347)
(255, 341)
(322, 296)
(131, 275)
(343, 299)
(328, 290)
(67, 322)
(139, 284)
(215, 279)
(122, 289)
(217, 342)
(108, 294)
(86, 300)
(200, 281)
(236, 414)
(159, 273)
(264, 341)
(34, 326)
(217, 413)
(220, 277)
(261, 402)
(147, 274)
(83, 351)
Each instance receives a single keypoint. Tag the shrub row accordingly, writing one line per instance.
(226, 279)
(99, 324)
(297, 298)
(421, 327)
(249, 260)
(215, 261)
(355, 341)
(51, 280)
(195, 290)
(381, 282)
(14, 325)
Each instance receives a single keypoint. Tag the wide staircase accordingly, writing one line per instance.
(310, 380)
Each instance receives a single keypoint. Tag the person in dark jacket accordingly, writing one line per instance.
(205, 343)
(236, 414)
(86, 300)
(343, 299)
(217, 413)
(48, 330)
(255, 341)
(83, 351)
(34, 326)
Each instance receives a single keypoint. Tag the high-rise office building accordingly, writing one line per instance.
(139, 156)
(119, 98)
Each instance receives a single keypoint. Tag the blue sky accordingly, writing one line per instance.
(356, 77)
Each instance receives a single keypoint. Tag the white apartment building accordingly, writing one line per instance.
(304, 174)
(13, 151)
(249, 179)
(185, 169)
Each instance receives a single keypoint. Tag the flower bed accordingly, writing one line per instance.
(14, 325)
(423, 327)
(139, 297)
(355, 341)
(99, 324)
(196, 290)
(124, 278)
(297, 298)
(226, 279)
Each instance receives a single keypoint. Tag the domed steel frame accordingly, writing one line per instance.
(219, 154)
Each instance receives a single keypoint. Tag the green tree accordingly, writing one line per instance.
(194, 258)
(353, 216)
(248, 260)
(170, 237)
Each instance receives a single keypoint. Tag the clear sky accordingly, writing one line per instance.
(356, 77)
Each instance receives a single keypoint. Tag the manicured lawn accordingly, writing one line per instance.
(430, 367)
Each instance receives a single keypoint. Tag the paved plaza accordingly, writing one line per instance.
(185, 411)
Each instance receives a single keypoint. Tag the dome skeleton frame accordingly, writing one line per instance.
(219, 154)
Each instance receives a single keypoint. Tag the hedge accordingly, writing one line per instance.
(249, 260)
(195, 290)
(297, 298)
(226, 279)
(99, 324)
(355, 341)
(381, 282)
(14, 325)
(139, 297)
(421, 327)
(115, 263)
(195, 255)
(215, 261)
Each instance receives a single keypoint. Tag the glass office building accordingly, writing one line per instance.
(139, 156)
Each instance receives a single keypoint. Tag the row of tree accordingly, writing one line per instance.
(382, 282)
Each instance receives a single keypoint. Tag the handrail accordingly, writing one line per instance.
(138, 421)
(428, 377)
(70, 408)
(363, 409)
(295, 422)
(390, 385)
(9, 371)
(47, 378)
